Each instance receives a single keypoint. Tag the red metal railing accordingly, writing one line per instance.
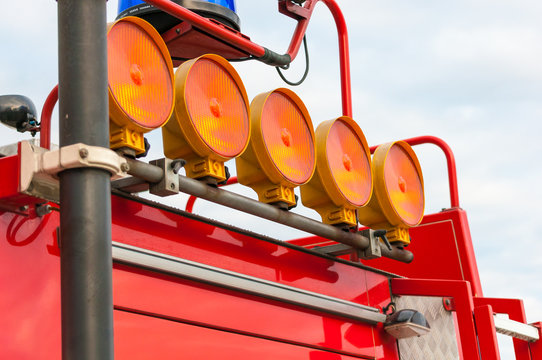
(450, 162)
(46, 113)
(419, 140)
(259, 51)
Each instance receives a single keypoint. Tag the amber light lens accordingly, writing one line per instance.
(288, 138)
(404, 185)
(217, 108)
(139, 74)
(350, 167)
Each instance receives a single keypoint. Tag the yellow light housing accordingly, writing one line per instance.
(343, 180)
(398, 198)
(211, 118)
(140, 81)
(281, 154)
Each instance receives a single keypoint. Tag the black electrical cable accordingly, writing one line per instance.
(287, 66)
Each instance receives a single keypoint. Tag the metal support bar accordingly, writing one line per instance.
(235, 201)
(516, 329)
(85, 193)
(150, 260)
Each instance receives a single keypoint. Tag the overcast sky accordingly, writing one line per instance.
(467, 71)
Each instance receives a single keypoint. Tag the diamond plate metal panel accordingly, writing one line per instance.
(440, 343)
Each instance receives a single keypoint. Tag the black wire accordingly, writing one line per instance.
(306, 67)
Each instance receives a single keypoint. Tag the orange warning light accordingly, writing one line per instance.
(140, 80)
(281, 154)
(343, 179)
(398, 199)
(211, 118)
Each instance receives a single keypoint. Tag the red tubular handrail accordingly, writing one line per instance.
(258, 51)
(427, 139)
(45, 122)
(450, 162)
(344, 56)
(192, 199)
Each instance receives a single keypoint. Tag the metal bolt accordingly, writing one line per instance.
(178, 31)
(83, 153)
(172, 186)
(124, 167)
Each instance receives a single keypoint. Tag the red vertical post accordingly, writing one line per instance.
(536, 347)
(515, 310)
(344, 56)
(487, 336)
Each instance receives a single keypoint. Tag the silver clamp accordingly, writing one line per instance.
(39, 167)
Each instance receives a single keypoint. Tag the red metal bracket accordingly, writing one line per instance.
(295, 11)
(487, 336)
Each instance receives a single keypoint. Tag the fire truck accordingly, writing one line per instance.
(94, 268)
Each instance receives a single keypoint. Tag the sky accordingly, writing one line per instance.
(468, 72)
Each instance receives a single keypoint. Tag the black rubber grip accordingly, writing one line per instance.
(272, 58)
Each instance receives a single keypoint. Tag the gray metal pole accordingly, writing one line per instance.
(85, 202)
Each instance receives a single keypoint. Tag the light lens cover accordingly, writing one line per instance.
(404, 185)
(288, 137)
(140, 74)
(217, 108)
(350, 166)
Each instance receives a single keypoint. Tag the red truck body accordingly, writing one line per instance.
(185, 286)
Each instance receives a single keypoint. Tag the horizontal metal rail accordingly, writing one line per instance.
(153, 174)
(150, 260)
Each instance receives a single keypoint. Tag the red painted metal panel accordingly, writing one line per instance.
(10, 198)
(30, 288)
(198, 303)
(143, 337)
(443, 239)
(29, 281)
(442, 249)
(487, 337)
(182, 236)
(515, 310)
(461, 292)
(9, 184)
